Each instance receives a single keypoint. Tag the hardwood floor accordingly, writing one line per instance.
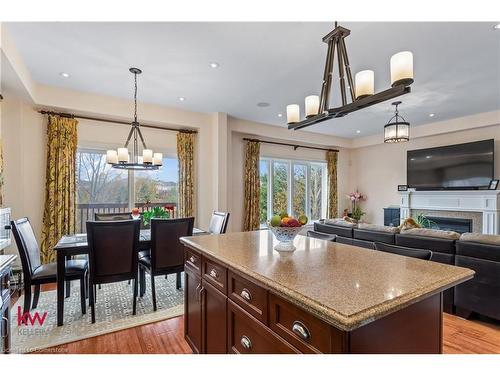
(460, 336)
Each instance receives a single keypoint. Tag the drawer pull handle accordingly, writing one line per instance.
(214, 273)
(192, 259)
(246, 343)
(301, 330)
(246, 295)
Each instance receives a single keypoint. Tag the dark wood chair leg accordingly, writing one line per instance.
(86, 286)
(27, 298)
(142, 281)
(92, 302)
(166, 277)
(83, 300)
(68, 288)
(134, 304)
(36, 296)
(178, 283)
(99, 286)
(95, 293)
(153, 290)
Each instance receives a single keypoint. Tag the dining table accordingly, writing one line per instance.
(76, 244)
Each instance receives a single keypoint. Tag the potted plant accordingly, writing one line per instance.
(355, 198)
(158, 213)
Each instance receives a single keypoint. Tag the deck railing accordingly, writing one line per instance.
(86, 211)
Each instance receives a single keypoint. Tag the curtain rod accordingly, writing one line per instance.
(70, 115)
(290, 144)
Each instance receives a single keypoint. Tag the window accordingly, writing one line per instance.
(103, 189)
(293, 186)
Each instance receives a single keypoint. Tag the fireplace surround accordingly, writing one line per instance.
(459, 204)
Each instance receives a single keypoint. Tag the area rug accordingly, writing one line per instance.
(113, 313)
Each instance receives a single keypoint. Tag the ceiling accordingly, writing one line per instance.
(456, 66)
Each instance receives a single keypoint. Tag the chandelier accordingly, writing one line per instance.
(361, 89)
(121, 158)
(397, 129)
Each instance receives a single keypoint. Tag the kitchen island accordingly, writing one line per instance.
(241, 296)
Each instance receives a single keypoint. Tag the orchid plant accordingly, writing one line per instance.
(355, 198)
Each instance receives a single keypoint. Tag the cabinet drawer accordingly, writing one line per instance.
(192, 260)
(246, 335)
(247, 295)
(215, 274)
(301, 329)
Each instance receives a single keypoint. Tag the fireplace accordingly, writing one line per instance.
(451, 223)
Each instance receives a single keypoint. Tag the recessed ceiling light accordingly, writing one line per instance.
(214, 65)
(358, 131)
(65, 75)
(497, 26)
(431, 114)
(263, 104)
(181, 98)
(428, 157)
(280, 114)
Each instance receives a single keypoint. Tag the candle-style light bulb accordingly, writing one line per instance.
(123, 155)
(292, 113)
(402, 68)
(147, 156)
(111, 157)
(365, 83)
(312, 105)
(158, 158)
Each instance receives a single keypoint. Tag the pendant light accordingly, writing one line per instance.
(397, 129)
(360, 88)
(121, 158)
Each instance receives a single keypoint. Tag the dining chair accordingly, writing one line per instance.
(406, 251)
(35, 273)
(218, 222)
(167, 252)
(113, 247)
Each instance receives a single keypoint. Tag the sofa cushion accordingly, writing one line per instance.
(478, 250)
(333, 229)
(434, 244)
(373, 236)
(490, 239)
(426, 232)
(341, 222)
(321, 236)
(378, 228)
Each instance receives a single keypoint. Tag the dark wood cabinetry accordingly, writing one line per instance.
(228, 312)
(392, 216)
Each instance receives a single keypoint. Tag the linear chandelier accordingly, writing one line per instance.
(362, 91)
(121, 158)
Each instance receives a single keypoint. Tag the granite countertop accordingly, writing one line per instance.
(344, 285)
(5, 260)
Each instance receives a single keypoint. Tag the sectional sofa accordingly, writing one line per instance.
(480, 253)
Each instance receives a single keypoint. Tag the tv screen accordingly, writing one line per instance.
(461, 167)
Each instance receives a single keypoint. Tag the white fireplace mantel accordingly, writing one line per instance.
(485, 201)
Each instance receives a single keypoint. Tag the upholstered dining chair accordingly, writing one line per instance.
(218, 222)
(406, 251)
(35, 273)
(113, 247)
(167, 252)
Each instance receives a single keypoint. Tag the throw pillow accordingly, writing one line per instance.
(490, 239)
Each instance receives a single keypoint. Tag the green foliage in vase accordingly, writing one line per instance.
(357, 213)
(424, 221)
(156, 212)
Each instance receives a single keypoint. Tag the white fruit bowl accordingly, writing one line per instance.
(285, 236)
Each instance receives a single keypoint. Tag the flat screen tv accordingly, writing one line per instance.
(465, 166)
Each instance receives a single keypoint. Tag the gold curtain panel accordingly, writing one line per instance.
(60, 184)
(252, 186)
(185, 154)
(331, 165)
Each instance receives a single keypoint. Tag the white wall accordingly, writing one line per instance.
(378, 169)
